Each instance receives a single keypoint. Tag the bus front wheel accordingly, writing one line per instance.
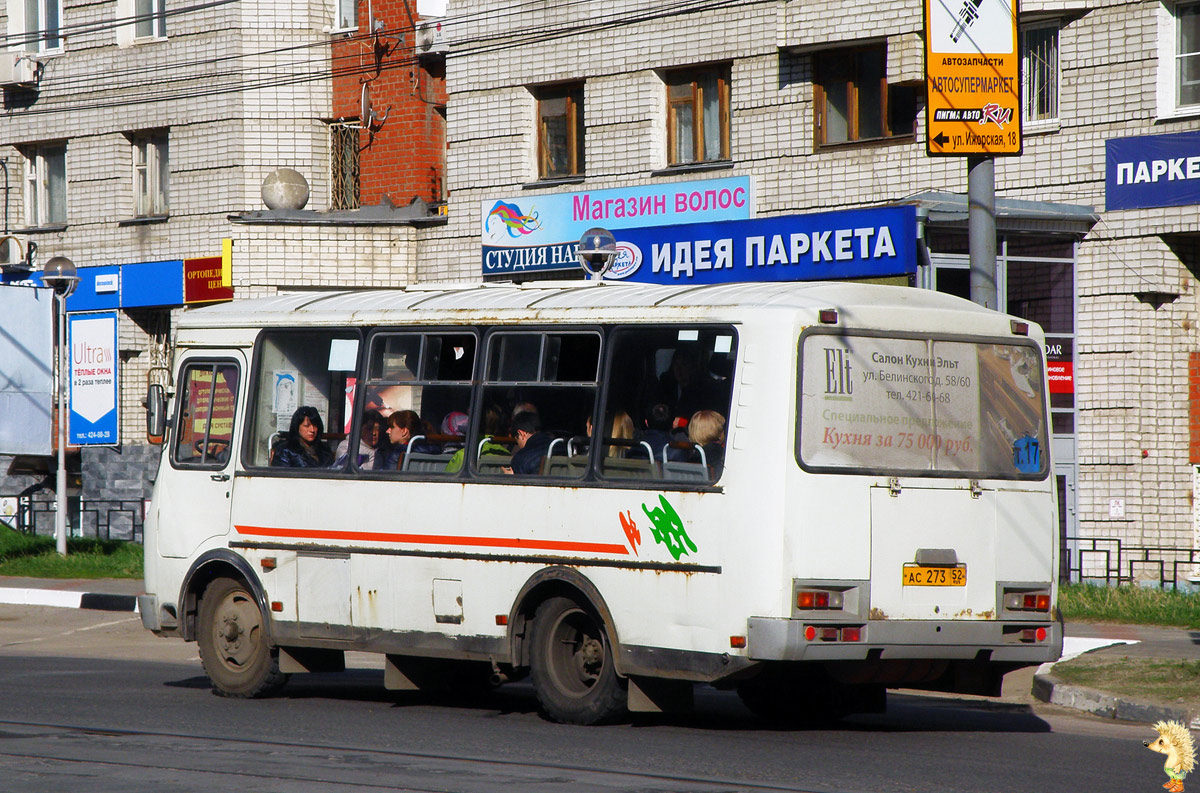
(233, 642)
(571, 663)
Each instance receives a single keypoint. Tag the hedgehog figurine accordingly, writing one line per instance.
(1176, 743)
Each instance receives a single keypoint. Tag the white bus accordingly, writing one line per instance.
(861, 497)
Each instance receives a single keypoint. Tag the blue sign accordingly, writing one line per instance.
(540, 232)
(860, 243)
(92, 342)
(1152, 171)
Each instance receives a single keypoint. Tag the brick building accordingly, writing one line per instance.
(814, 105)
(137, 136)
(820, 104)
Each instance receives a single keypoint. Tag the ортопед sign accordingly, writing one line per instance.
(972, 77)
(858, 243)
(534, 233)
(1152, 171)
(203, 280)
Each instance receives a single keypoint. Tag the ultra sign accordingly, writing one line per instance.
(972, 77)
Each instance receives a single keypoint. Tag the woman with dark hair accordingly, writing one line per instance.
(402, 427)
(303, 447)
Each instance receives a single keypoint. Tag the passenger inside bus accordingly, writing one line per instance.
(493, 427)
(403, 426)
(532, 443)
(372, 443)
(658, 435)
(706, 429)
(302, 447)
(620, 429)
(454, 425)
(688, 387)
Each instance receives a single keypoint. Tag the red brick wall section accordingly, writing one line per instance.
(405, 158)
(1194, 406)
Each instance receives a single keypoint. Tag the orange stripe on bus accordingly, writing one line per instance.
(436, 539)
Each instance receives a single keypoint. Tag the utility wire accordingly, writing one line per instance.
(323, 67)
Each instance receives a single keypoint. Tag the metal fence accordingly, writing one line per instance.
(105, 519)
(1110, 560)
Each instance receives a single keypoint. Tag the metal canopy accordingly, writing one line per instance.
(949, 210)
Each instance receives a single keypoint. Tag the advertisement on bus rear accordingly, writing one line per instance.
(922, 406)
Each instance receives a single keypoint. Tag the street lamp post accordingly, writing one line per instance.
(60, 275)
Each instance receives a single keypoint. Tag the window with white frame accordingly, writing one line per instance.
(38, 24)
(347, 15)
(46, 184)
(150, 19)
(1187, 54)
(140, 21)
(151, 173)
(1039, 72)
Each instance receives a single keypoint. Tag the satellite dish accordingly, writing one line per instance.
(368, 118)
(366, 115)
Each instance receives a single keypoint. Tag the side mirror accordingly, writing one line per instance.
(156, 412)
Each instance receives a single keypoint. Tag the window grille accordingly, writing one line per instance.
(343, 137)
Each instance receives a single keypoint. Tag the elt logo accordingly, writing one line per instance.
(837, 372)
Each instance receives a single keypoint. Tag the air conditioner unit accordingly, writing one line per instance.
(431, 40)
(17, 68)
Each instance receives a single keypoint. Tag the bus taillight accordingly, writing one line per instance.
(818, 599)
(1027, 601)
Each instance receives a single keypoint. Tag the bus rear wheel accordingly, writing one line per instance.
(571, 663)
(233, 642)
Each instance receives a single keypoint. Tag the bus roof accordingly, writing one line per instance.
(441, 302)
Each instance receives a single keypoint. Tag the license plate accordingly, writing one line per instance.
(915, 575)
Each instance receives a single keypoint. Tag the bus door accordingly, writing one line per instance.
(195, 490)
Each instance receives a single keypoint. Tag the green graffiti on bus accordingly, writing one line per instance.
(667, 528)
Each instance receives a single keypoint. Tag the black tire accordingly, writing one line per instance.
(231, 632)
(571, 663)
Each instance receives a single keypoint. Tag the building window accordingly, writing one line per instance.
(1187, 54)
(343, 160)
(854, 101)
(698, 115)
(1039, 68)
(560, 131)
(46, 185)
(151, 174)
(347, 15)
(41, 21)
(151, 19)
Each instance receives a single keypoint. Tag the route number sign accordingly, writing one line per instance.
(972, 78)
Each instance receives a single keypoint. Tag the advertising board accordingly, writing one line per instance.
(540, 232)
(1152, 171)
(92, 342)
(972, 77)
(26, 370)
(861, 243)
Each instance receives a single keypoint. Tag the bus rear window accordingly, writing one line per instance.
(921, 406)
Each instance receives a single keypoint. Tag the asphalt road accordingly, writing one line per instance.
(91, 702)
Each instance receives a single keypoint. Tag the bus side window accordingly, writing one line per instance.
(419, 385)
(204, 433)
(553, 378)
(674, 385)
(296, 368)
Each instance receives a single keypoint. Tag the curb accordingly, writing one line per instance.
(98, 601)
(1049, 688)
